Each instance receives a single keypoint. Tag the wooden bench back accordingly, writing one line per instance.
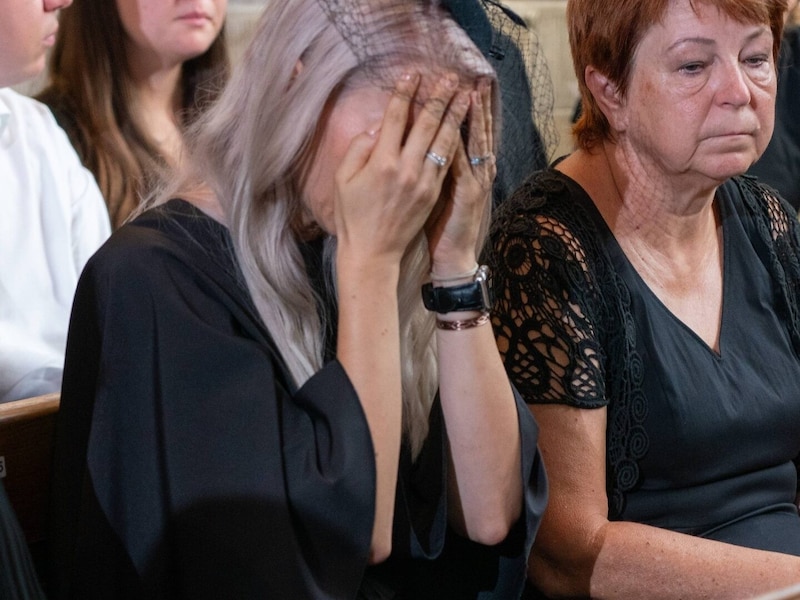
(26, 445)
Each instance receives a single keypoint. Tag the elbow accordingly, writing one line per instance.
(558, 576)
(378, 555)
(490, 535)
(549, 579)
(380, 549)
(490, 530)
(490, 522)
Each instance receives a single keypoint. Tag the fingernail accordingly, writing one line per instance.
(408, 76)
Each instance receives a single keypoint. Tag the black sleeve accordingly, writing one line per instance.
(544, 315)
(446, 564)
(184, 465)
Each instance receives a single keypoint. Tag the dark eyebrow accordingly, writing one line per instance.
(762, 30)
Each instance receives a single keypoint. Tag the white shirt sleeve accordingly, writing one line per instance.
(54, 220)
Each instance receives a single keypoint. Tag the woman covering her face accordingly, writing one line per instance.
(647, 310)
(126, 78)
(257, 402)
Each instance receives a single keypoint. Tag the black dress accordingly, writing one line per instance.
(187, 465)
(698, 441)
(18, 577)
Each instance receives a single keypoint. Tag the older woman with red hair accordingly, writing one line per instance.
(647, 309)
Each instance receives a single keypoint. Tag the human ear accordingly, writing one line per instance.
(608, 97)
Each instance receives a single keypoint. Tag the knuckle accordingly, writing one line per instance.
(403, 94)
(436, 107)
(387, 169)
(407, 178)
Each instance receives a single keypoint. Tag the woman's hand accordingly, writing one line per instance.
(454, 226)
(387, 184)
(385, 191)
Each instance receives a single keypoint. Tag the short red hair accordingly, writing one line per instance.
(605, 34)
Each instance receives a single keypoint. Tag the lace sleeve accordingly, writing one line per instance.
(777, 226)
(544, 316)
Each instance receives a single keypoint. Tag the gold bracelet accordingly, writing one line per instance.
(465, 324)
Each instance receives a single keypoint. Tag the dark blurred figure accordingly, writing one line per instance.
(779, 166)
(528, 135)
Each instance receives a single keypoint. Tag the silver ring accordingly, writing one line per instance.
(437, 158)
(479, 160)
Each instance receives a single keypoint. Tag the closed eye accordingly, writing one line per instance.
(757, 61)
(692, 68)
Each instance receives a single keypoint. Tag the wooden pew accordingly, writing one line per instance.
(26, 444)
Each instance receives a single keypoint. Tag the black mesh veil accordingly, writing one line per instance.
(528, 136)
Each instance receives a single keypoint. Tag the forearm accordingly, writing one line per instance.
(368, 347)
(636, 561)
(483, 431)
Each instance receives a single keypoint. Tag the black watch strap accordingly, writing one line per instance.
(467, 296)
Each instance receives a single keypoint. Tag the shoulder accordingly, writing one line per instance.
(27, 111)
(44, 175)
(543, 191)
(172, 246)
(549, 203)
(547, 234)
(32, 128)
(145, 244)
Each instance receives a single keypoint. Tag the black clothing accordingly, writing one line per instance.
(187, 465)
(18, 577)
(779, 166)
(522, 149)
(699, 442)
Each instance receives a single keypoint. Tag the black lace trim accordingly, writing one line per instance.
(561, 309)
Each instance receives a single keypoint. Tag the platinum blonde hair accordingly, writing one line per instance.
(254, 146)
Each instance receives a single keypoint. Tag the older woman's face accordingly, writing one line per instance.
(171, 32)
(702, 93)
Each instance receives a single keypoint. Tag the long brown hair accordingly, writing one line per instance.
(89, 90)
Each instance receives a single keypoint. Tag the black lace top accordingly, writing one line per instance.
(577, 326)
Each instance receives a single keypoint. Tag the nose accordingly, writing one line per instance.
(734, 84)
(54, 5)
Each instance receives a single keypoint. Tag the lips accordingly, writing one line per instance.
(196, 15)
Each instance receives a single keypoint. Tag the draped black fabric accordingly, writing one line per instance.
(697, 442)
(18, 577)
(187, 465)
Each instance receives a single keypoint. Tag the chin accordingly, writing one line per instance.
(729, 166)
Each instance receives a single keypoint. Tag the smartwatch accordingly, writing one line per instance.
(474, 295)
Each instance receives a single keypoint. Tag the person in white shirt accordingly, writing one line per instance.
(54, 216)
